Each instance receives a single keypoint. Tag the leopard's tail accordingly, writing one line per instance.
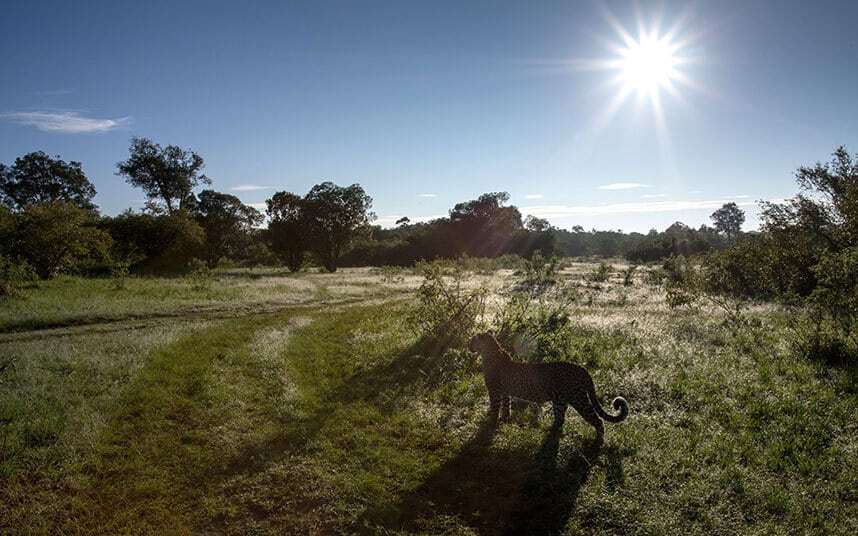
(619, 403)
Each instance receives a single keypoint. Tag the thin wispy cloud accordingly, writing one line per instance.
(652, 196)
(249, 188)
(623, 186)
(53, 92)
(64, 122)
(427, 195)
(560, 211)
(533, 196)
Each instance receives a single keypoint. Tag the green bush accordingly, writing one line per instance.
(156, 244)
(58, 236)
(539, 272)
(13, 275)
(601, 273)
(629, 274)
(447, 309)
(541, 321)
(682, 282)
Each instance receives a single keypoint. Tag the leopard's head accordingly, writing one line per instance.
(482, 342)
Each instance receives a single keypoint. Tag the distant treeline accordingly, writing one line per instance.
(442, 238)
(49, 224)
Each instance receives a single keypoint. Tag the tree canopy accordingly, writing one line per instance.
(728, 220)
(54, 236)
(227, 223)
(37, 178)
(167, 175)
(334, 215)
(287, 234)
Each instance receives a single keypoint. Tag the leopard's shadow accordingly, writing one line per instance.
(501, 490)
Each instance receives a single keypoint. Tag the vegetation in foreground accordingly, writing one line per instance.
(321, 421)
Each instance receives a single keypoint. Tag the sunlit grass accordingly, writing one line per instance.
(338, 420)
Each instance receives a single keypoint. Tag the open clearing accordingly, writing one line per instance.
(262, 402)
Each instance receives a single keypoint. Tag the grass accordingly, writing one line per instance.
(338, 419)
(72, 301)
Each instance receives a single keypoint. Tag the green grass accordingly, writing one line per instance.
(339, 420)
(73, 301)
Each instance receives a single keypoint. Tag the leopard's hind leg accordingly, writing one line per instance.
(589, 414)
(559, 414)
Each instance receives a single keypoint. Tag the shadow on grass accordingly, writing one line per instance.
(384, 385)
(499, 491)
(495, 490)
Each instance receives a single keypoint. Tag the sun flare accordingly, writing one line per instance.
(648, 64)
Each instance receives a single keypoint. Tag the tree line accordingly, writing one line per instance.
(50, 224)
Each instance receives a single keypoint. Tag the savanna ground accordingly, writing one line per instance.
(255, 401)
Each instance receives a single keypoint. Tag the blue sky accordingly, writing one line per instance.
(430, 103)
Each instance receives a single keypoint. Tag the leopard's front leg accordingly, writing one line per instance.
(495, 401)
(504, 408)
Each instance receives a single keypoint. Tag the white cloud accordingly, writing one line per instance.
(560, 211)
(623, 186)
(249, 188)
(390, 221)
(53, 92)
(258, 206)
(652, 196)
(427, 195)
(64, 122)
(533, 196)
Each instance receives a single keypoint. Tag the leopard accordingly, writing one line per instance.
(562, 384)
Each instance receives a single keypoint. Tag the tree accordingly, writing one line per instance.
(403, 221)
(167, 175)
(155, 243)
(536, 225)
(483, 227)
(288, 229)
(832, 209)
(55, 236)
(334, 215)
(227, 223)
(728, 220)
(37, 178)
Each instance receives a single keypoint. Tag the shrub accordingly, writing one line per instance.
(447, 311)
(539, 272)
(119, 274)
(199, 274)
(57, 236)
(156, 244)
(682, 283)
(600, 274)
(629, 274)
(539, 321)
(13, 275)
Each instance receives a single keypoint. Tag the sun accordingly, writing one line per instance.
(648, 64)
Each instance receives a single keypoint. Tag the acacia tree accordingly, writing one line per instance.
(288, 229)
(167, 174)
(728, 220)
(334, 215)
(37, 178)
